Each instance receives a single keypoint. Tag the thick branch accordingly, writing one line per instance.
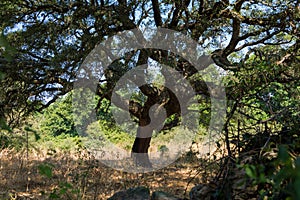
(236, 26)
(157, 14)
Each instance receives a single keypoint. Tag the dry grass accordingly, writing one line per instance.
(88, 178)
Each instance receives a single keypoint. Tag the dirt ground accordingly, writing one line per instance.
(78, 176)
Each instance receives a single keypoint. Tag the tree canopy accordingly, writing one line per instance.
(52, 38)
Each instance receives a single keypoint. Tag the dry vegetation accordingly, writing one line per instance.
(77, 176)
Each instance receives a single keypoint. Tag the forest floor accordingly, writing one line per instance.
(77, 176)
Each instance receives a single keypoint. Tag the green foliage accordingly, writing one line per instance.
(35, 133)
(163, 148)
(64, 190)
(265, 116)
(46, 170)
(101, 132)
(104, 112)
(2, 75)
(83, 106)
(58, 127)
(7, 51)
(256, 173)
(3, 125)
(5, 141)
(61, 143)
(58, 118)
(278, 179)
(12, 140)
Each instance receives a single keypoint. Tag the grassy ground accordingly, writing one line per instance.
(75, 175)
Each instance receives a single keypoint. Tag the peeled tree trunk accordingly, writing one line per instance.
(152, 118)
(141, 144)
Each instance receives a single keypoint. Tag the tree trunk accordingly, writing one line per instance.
(142, 143)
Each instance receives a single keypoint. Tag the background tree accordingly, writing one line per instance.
(58, 118)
